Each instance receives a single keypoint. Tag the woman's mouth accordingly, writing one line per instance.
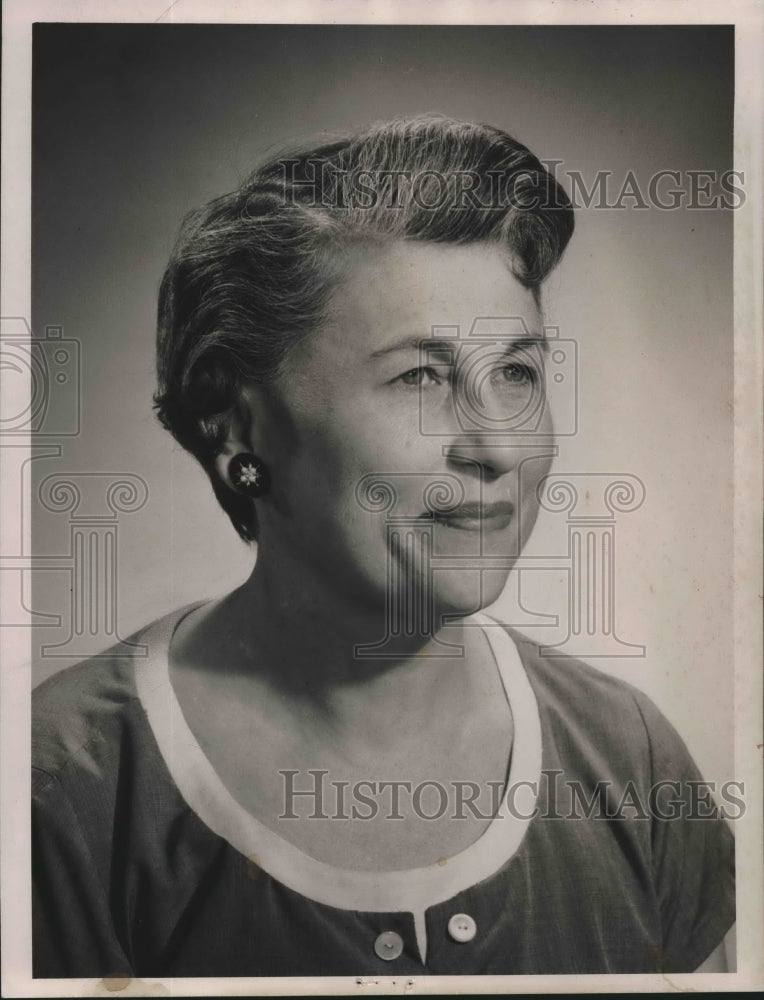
(476, 516)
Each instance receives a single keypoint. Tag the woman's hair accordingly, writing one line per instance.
(252, 271)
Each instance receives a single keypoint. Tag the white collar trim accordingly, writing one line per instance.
(412, 890)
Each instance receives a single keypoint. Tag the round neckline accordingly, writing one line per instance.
(411, 889)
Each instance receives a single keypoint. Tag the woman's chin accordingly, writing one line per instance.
(459, 593)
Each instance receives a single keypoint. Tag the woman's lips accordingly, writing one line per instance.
(477, 516)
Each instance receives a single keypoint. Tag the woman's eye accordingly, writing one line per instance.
(419, 376)
(519, 374)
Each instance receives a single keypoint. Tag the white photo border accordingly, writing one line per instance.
(15, 688)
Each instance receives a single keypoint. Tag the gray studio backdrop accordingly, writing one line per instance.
(136, 124)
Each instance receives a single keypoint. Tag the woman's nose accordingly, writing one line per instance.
(489, 447)
(484, 456)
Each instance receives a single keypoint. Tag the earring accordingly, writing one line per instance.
(249, 475)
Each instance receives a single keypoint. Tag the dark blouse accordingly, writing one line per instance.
(143, 865)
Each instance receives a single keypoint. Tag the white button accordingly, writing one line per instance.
(388, 945)
(462, 927)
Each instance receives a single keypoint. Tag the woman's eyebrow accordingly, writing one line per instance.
(527, 343)
(448, 347)
(416, 343)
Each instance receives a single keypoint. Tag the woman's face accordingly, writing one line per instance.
(402, 385)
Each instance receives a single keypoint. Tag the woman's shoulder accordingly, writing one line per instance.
(599, 708)
(571, 676)
(85, 710)
(574, 677)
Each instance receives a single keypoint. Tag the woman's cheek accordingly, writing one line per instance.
(535, 471)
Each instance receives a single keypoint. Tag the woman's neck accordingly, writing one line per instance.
(320, 629)
(301, 639)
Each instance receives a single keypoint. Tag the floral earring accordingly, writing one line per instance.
(249, 474)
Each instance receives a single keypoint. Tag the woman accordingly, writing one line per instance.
(342, 767)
